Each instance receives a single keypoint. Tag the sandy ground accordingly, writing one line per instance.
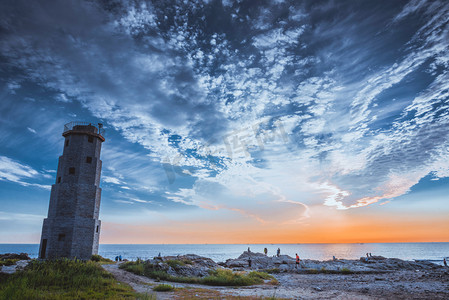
(390, 285)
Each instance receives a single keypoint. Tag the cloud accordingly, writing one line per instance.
(31, 130)
(9, 216)
(11, 170)
(204, 102)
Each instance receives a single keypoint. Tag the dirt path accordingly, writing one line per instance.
(394, 285)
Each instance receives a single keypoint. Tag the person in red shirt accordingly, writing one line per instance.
(297, 261)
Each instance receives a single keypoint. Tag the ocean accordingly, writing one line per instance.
(434, 252)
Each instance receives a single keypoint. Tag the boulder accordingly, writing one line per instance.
(21, 256)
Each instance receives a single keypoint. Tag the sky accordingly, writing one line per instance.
(232, 121)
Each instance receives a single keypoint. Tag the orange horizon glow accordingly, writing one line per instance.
(357, 230)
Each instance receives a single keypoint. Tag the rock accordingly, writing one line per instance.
(21, 256)
(284, 268)
(258, 261)
(189, 265)
(20, 265)
(317, 288)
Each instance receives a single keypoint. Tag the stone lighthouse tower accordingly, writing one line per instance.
(72, 228)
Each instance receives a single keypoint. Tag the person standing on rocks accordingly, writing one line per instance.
(445, 262)
(265, 251)
(297, 261)
(278, 252)
(249, 261)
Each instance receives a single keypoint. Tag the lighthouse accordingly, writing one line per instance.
(72, 227)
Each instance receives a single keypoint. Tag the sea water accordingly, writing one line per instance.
(220, 252)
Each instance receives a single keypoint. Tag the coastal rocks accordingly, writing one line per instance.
(21, 256)
(189, 265)
(285, 263)
(20, 265)
(12, 262)
(260, 261)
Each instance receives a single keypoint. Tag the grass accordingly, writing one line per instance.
(101, 259)
(218, 277)
(163, 288)
(63, 279)
(273, 271)
(175, 263)
(8, 262)
(147, 296)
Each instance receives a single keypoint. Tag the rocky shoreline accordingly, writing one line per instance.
(285, 263)
(373, 277)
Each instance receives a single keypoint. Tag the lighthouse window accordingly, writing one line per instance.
(98, 228)
(90, 139)
(66, 142)
(88, 159)
(59, 179)
(61, 237)
(71, 170)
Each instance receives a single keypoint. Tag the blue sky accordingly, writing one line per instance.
(229, 121)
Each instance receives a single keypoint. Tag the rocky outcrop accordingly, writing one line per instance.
(189, 265)
(285, 263)
(259, 261)
(21, 256)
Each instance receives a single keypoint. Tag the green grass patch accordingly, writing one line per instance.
(63, 279)
(220, 277)
(101, 259)
(272, 271)
(163, 288)
(175, 263)
(8, 262)
(146, 296)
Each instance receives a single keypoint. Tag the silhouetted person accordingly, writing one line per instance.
(445, 262)
(265, 251)
(278, 252)
(249, 262)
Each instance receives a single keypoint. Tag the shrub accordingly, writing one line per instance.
(220, 277)
(163, 288)
(63, 279)
(261, 275)
(99, 258)
(346, 271)
(8, 262)
(175, 263)
(273, 271)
